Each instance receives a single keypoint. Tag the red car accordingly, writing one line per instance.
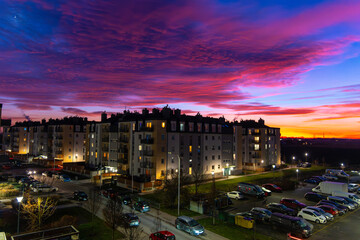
(293, 203)
(329, 209)
(272, 187)
(6, 167)
(162, 235)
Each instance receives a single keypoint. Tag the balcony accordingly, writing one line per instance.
(105, 149)
(124, 129)
(123, 161)
(146, 129)
(123, 150)
(105, 139)
(58, 145)
(124, 140)
(148, 165)
(58, 137)
(148, 153)
(147, 141)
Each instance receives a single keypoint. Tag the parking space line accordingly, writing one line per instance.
(335, 221)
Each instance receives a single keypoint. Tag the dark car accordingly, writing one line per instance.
(162, 235)
(297, 226)
(263, 211)
(334, 204)
(49, 174)
(189, 225)
(131, 220)
(272, 187)
(321, 178)
(257, 216)
(80, 196)
(141, 206)
(292, 203)
(110, 193)
(314, 197)
(312, 181)
(126, 199)
(280, 208)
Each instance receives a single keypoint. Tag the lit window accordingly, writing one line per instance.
(148, 124)
(256, 130)
(163, 124)
(92, 153)
(140, 147)
(182, 127)
(190, 148)
(92, 135)
(133, 127)
(190, 170)
(104, 154)
(256, 147)
(96, 154)
(257, 139)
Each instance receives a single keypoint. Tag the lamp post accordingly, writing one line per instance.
(19, 199)
(297, 174)
(178, 186)
(273, 166)
(306, 155)
(293, 160)
(213, 196)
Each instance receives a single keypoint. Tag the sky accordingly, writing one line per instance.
(295, 64)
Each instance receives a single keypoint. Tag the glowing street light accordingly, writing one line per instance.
(297, 174)
(19, 199)
(306, 155)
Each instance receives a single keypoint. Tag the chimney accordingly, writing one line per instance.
(145, 111)
(261, 122)
(103, 116)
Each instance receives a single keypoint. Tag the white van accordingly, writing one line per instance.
(352, 196)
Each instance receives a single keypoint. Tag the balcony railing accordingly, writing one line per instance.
(123, 150)
(147, 129)
(147, 141)
(124, 129)
(124, 140)
(147, 153)
(105, 139)
(148, 165)
(123, 161)
(105, 149)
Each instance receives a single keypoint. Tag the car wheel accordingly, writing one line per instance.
(317, 221)
(236, 198)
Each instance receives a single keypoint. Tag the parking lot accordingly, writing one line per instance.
(343, 227)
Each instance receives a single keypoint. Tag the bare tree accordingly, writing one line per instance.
(132, 233)
(198, 175)
(113, 214)
(171, 188)
(36, 211)
(94, 202)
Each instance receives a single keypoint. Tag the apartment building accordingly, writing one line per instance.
(256, 145)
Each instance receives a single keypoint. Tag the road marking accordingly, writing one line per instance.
(335, 221)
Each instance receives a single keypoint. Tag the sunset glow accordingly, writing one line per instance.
(295, 64)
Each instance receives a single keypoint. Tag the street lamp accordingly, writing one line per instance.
(19, 199)
(306, 155)
(293, 159)
(273, 166)
(213, 196)
(178, 186)
(297, 174)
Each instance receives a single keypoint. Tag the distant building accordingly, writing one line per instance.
(149, 145)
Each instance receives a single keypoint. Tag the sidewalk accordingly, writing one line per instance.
(171, 220)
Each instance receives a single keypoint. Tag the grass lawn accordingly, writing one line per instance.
(186, 212)
(230, 231)
(96, 230)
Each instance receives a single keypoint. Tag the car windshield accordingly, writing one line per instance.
(302, 223)
(320, 210)
(257, 189)
(170, 238)
(296, 201)
(282, 207)
(267, 212)
(316, 213)
(275, 186)
(355, 196)
(82, 194)
(193, 223)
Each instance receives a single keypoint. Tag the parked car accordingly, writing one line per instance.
(328, 216)
(266, 191)
(80, 196)
(235, 195)
(342, 202)
(280, 208)
(141, 206)
(256, 216)
(272, 187)
(296, 225)
(30, 172)
(109, 193)
(292, 203)
(311, 215)
(6, 167)
(189, 225)
(45, 174)
(312, 181)
(353, 187)
(162, 235)
(126, 199)
(45, 188)
(349, 200)
(65, 178)
(331, 203)
(49, 174)
(314, 197)
(251, 189)
(56, 175)
(330, 177)
(329, 209)
(131, 220)
(263, 211)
